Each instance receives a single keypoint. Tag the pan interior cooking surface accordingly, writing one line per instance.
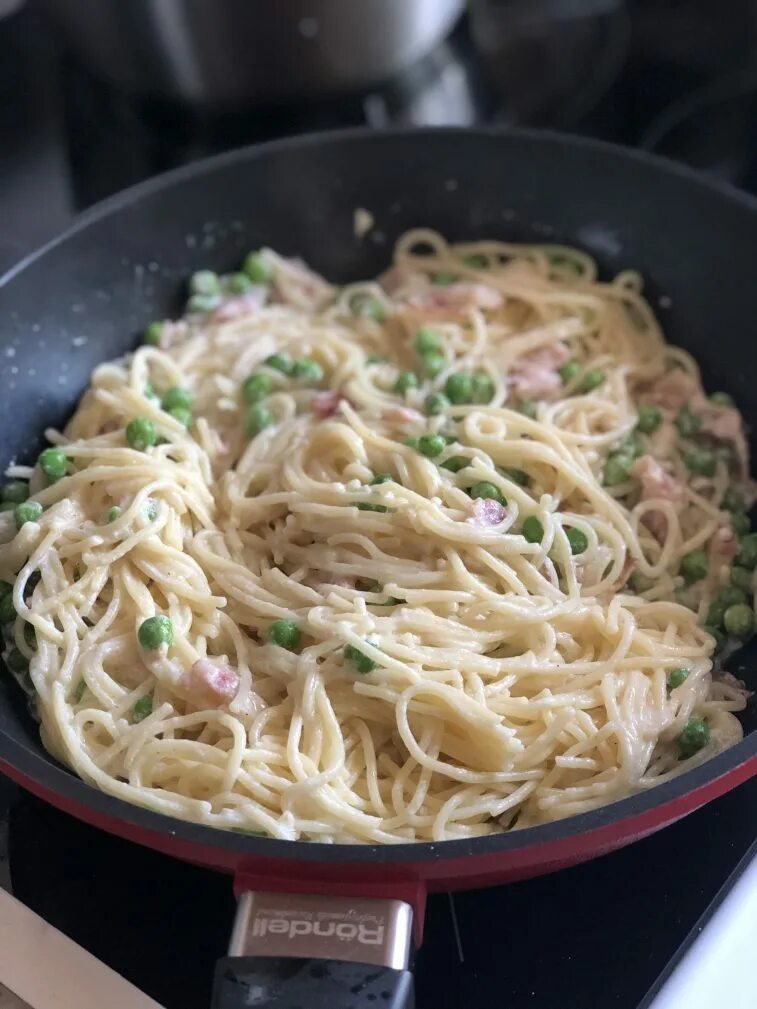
(553, 512)
(92, 321)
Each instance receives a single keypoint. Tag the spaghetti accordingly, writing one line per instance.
(416, 559)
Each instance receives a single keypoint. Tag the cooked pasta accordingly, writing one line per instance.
(423, 558)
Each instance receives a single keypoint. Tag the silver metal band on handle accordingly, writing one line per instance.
(312, 926)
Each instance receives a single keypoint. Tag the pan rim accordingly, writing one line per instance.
(43, 770)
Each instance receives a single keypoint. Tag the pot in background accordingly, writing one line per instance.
(247, 52)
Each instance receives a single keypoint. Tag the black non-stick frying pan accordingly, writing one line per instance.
(329, 925)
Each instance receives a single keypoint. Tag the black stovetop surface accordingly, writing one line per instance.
(672, 75)
(596, 936)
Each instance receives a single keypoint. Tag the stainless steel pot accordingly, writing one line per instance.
(237, 52)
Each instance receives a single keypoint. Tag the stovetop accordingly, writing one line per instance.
(670, 75)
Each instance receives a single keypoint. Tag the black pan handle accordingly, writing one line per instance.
(307, 951)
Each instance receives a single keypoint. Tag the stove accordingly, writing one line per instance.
(676, 76)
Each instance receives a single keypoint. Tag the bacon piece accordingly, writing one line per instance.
(402, 414)
(211, 682)
(459, 297)
(673, 389)
(629, 566)
(401, 278)
(296, 284)
(487, 512)
(657, 484)
(326, 404)
(245, 304)
(535, 375)
(723, 546)
(722, 422)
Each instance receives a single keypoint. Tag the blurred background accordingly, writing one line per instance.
(98, 94)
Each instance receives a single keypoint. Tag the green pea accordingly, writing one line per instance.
(687, 422)
(721, 399)
(455, 463)
(412, 443)
(747, 555)
(308, 370)
(142, 708)
(7, 608)
(592, 380)
(154, 632)
(376, 359)
(181, 414)
(529, 408)
(694, 566)
(205, 282)
(477, 260)
(649, 418)
(199, 304)
(177, 396)
(565, 262)
(694, 736)
(738, 621)
(280, 362)
(486, 490)
(483, 389)
(431, 445)
(14, 492)
(27, 511)
(616, 471)
(368, 307)
(285, 634)
(740, 523)
(518, 476)
(114, 513)
(729, 595)
(79, 689)
(459, 388)
(700, 463)
(367, 506)
(258, 418)
(6, 506)
(427, 341)
(733, 500)
(359, 659)
(432, 365)
(141, 434)
(436, 403)
(443, 279)
(405, 380)
(53, 463)
(533, 530)
(257, 267)
(17, 662)
(578, 540)
(741, 578)
(238, 283)
(632, 445)
(569, 371)
(382, 478)
(256, 387)
(676, 677)
(152, 334)
(717, 634)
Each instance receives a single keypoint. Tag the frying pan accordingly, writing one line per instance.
(330, 924)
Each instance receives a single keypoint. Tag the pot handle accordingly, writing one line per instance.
(295, 950)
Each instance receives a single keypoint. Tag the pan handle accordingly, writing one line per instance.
(292, 950)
